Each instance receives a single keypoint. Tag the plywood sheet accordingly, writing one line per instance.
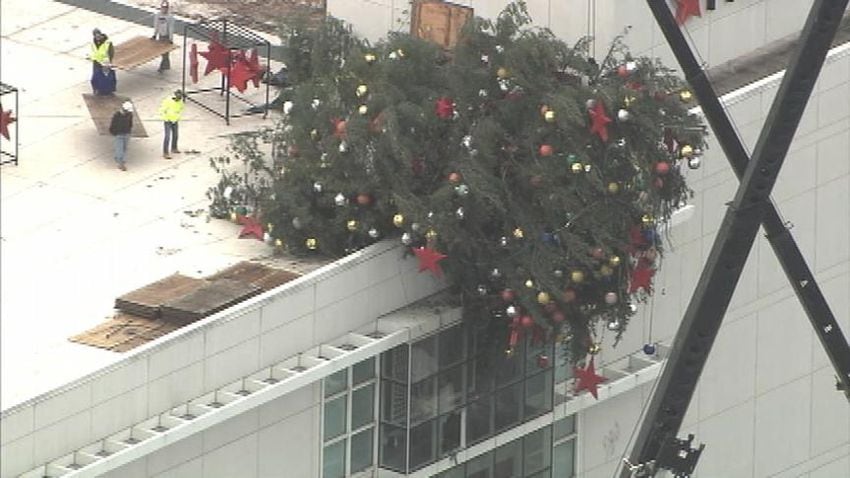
(102, 107)
(139, 50)
(146, 301)
(440, 22)
(264, 277)
(124, 332)
(213, 296)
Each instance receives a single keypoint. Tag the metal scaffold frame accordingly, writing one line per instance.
(7, 157)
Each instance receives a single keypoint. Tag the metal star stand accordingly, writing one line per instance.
(7, 157)
(234, 38)
(656, 446)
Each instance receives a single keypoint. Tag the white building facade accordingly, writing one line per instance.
(357, 369)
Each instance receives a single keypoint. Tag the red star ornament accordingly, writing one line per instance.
(240, 75)
(253, 62)
(193, 62)
(587, 379)
(250, 227)
(444, 107)
(642, 276)
(428, 260)
(686, 9)
(599, 121)
(5, 120)
(217, 57)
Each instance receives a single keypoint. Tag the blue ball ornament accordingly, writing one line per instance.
(649, 349)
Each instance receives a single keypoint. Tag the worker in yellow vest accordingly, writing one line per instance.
(103, 80)
(170, 112)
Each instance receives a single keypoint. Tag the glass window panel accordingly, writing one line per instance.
(450, 389)
(333, 460)
(533, 354)
(423, 444)
(362, 406)
(564, 427)
(449, 432)
(361, 450)
(423, 400)
(394, 403)
(394, 364)
(508, 406)
(543, 474)
(456, 472)
(538, 451)
(363, 371)
(392, 453)
(480, 376)
(479, 424)
(508, 460)
(480, 467)
(423, 359)
(563, 460)
(538, 394)
(451, 346)
(336, 383)
(563, 367)
(509, 368)
(335, 411)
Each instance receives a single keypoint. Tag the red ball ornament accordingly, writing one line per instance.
(455, 178)
(364, 199)
(526, 321)
(507, 295)
(340, 128)
(558, 317)
(597, 253)
(569, 295)
(444, 107)
(546, 150)
(623, 71)
(662, 167)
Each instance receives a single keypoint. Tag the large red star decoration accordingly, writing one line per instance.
(587, 379)
(253, 63)
(428, 260)
(599, 121)
(217, 57)
(250, 227)
(240, 75)
(5, 120)
(193, 62)
(642, 276)
(444, 107)
(686, 9)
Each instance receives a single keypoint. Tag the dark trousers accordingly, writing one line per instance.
(165, 62)
(170, 135)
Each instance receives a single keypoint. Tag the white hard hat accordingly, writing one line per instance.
(127, 106)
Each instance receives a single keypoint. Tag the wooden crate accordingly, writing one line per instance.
(138, 51)
(146, 301)
(102, 107)
(440, 22)
(213, 296)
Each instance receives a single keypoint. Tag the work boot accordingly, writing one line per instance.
(122, 167)
(166, 156)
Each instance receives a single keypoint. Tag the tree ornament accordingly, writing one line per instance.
(362, 90)
(398, 220)
(454, 177)
(485, 59)
(296, 222)
(686, 96)
(482, 93)
(577, 276)
(647, 220)
(614, 261)
(312, 243)
(496, 274)
(270, 227)
(460, 213)
(543, 298)
(559, 273)
(370, 58)
(590, 104)
(481, 290)
(662, 167)
(278, 243)
(529, 284)
(572, 158)
(594, 348)
(340, 200)
(511, 311)
(649, 349)
(373, 233)
(444, 107)
(613, 188)
(588, 167)
(415, 227)
(606, 270)
(406, 239)
(546, 150)
(317, 187)
(599, 121)
(526, 321)
(577, 168)
(234, 217)
(316, 103)
(694, 162)
(569, 295)
(502, 73)
(588, 379)
(462, 190)
(597, 252)
(611, 298)
(503, 242)
(543, 361)
(518, 233)
(250, 227)
(287, 107)
(431, 234)
(429, 260)
(687, 151)
(364, 199)
(363, 110)
(623, 115)
(558, 317)
(507, 295)
(343, 146)
(614, 325)
(549, 116)
(314, 134)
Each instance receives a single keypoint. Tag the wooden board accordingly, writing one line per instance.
(102, 107)
(208, 299)
(124, 332)
(264, 277)
(138, 51)
(438, 21)
(146, 301)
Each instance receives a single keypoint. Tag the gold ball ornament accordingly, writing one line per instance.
(351, 225)
(233, 216)
(362, 90)
(431, 234)
(278, 243)
(363, 110)
(606, 270)
(518, 233)
(613, 188)
(576, 168)
(311, 243)
(529, 283)
(687, 151)
(370, 58)
(614, 261)
(594, 349)
(549, 116)
(502, 72)
(647, 220)
(398, 220)
(577, 276)
(543, 298)
(686, 95)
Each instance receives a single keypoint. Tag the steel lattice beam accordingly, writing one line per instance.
(737, 232)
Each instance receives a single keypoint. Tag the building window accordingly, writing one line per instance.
(348, 420)
(564, 448)
(526, 457)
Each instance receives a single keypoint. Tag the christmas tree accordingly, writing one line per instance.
(534, 178)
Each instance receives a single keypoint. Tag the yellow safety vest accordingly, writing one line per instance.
(171, 109)
(100, 53)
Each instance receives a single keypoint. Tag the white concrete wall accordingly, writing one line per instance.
(311, 310)
(766, 403)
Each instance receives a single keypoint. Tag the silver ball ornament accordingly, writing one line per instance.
(623, 115)
(694, 162)
(340, 200)
(373, 233)
(406, 239)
